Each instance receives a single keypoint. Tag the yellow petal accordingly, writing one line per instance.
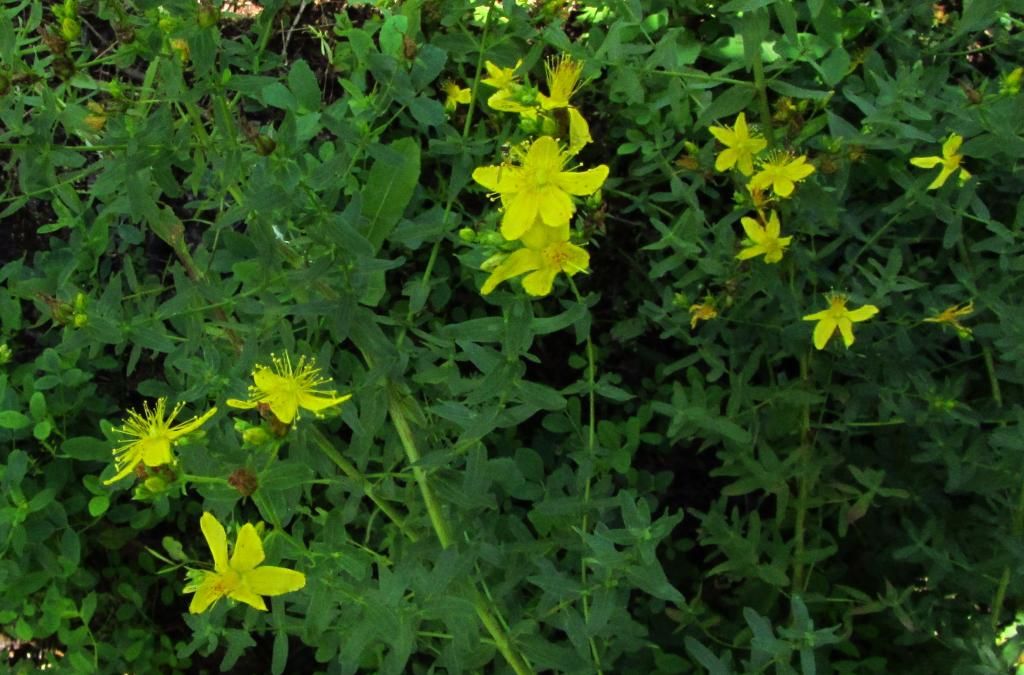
(577, 261)
(862, 313)
(798, 170)
(539, 283)
(823, 331)
(555, 206)
(244, 405)
(727, 158)
(544, 153)
(783, 186)
(209, 592)
(131, 460)
(752, 228)
(774, 226)
(315, 403)
(941, 179)
(520, 213)
(284, 404)
(270, 580)
(540, 235)
(582, 183)
(155, 450)
(191, 425)
(926, 162)
(745, 162)
(579, 131)
(741, 126)
(724, 134)
(846, 330)
(248, 549)
(244, 594)
(521, 261)
(750, 252)
(951, 145)
(216, 539)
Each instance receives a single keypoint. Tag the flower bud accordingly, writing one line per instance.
(467, 234)
(264, 145)
(255, 436)
(208, 15)
(70, 29)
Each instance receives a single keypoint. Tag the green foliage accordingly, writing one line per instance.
(581, 483)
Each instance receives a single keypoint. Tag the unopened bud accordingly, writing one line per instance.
(244, 481)
(208, 16)
(264, 145)
(255, 436)
(467, 234)
(80, 320)
(70, 29)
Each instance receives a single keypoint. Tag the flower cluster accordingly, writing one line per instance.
(537, 184)
(280, 391)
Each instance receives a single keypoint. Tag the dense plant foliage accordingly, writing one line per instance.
(457, 336)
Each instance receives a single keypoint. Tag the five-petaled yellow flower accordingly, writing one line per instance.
(454, 95)
(563, 76)
(950, 162)
(242, 577)
(546, 252)
(781, 171)
(539, 188)
(702, 311)
(764, 240)
(951, 317)
(501, 78)
(838, 316)
(150, 437)
(285, 389)
(740, 146)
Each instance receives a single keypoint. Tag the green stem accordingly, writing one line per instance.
(437, 519)
(1016, 528)
(444, 536)
(591, 445)
(762, 96)
(350, 470)
(803, 489)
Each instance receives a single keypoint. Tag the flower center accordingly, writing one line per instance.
(556, 255)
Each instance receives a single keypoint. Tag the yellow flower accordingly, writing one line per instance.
(781, 171)
(704, 311)
(950, 162)
(563, 76)
(951, 317)
(546, 252)
(740, 146)
(454, 95)
(764, 240)
(501, 78)
(838, 316)
(1010, 84)
(284, 389)
(538, 188)
(97, 117)
(242, 577)
(150, 437)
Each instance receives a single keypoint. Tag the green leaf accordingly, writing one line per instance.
(98, 505)
(302, 83)
(280, 655)
(12, 419)
(86, 448)
(389, 187)
(37, 405)
(706, 657)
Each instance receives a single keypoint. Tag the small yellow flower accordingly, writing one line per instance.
(540, 187)
(1010, 84)
(781, 171)
(241, 578)
(703, 311)
(950, 162)
(454, 95)
(546, 252)
(838, 316)
(764, 240)
(740, 146)
(97, 117)
(285, 390)
(951, 317)
(563, 76)
(150, 437)
(501, 78)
